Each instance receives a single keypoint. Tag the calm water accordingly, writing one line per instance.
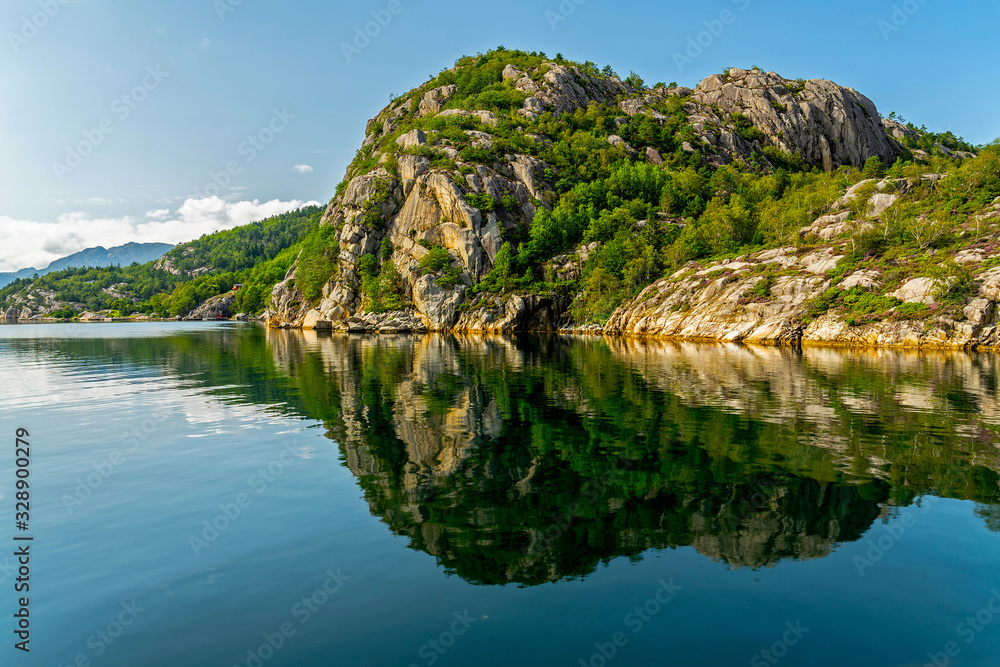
(464, 501)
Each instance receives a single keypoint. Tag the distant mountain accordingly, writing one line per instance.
(97, 257)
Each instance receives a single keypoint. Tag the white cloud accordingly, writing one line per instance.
(158, 213)
(26, 243)
(302, 168)
(205, 43)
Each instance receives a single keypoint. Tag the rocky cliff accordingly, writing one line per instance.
(723, 301)
(419, 204)
(438, 172)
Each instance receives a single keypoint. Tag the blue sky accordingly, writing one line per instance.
(200, 77)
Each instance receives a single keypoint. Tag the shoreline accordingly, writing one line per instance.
(928, 346)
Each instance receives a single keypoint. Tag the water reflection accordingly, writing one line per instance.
(536, 459)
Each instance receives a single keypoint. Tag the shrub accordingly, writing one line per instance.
(860, 301)
(820, 305)
(438, 260)
(745, 128)
(955, 283)
(484, 202)
(873, 168)
(317, 261)
(381, 292)
(762, 289)
(373, 216)
(911, 311)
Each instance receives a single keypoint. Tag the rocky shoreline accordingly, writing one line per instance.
(825, 334)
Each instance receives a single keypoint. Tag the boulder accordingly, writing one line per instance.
(880, 202)
(433, 100)
(314, 320)
(918, 290)
(411, 139)
(437, 304)
(865, 279)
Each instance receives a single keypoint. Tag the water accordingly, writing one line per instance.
(497, 501)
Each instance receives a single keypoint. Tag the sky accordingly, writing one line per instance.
(162, 120)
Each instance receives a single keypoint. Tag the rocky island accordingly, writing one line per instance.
(514, 192)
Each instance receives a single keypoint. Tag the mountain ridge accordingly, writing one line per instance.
(98, 256)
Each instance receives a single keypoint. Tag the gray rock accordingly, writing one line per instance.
(411, 139)
(439, 305)
(918, 290)
(618, 142)
(878, 204)
(826, 124)
(433, 100)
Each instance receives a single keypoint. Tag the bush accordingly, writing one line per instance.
(911, 311)
(438, 260)
(955, 283)
(762, 289)
(317, 262)
(382, 292)
(484, 202)
(746, 129)
(820, 305)
(873, 168)
(860, 301)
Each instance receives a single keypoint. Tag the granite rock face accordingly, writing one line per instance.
(219, 307)
(826, 124)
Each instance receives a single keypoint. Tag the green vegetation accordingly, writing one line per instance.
(243, 247)
(381, 288)
(439, 261)
(318, 261)
(484, 202)
(256, 255)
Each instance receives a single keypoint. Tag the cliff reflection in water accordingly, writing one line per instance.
(535, 459)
